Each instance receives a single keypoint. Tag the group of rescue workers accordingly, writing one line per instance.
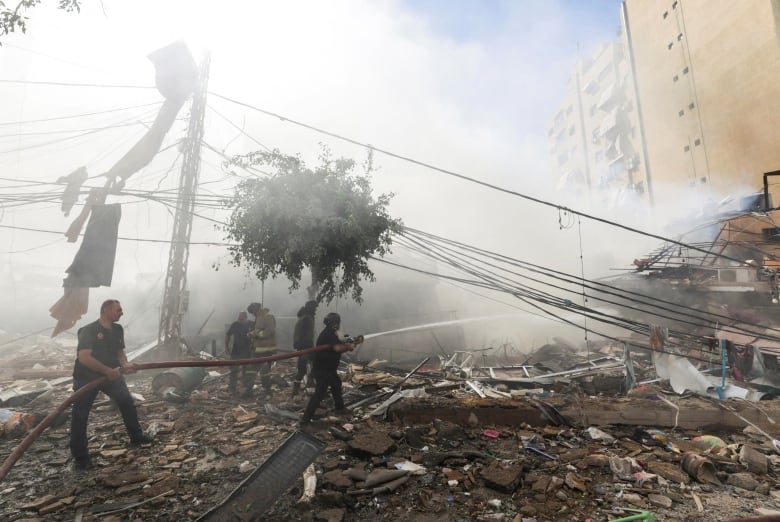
(101, 353)
(255, 339)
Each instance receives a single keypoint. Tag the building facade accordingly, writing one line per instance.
(701, 96)
(594, 137)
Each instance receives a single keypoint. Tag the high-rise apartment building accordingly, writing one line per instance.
(594, 138)
(701, 87)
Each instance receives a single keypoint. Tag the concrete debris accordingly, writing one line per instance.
(422, 445)
(19, 393)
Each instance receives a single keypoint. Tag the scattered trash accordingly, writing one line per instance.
(280, 413)
(411, 467)
(624, 468)
(494, 503)
(15, 424)
(709, 444)
(309, 485)
(540, 453)
(596, 434)
(575, 482)
(643, 516)
(456, 465)
(340, 434)
(700, 468)
(199, 395)
(654, 437)
(23, 392)
(178, 381)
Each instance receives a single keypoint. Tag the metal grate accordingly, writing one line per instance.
(266, 484)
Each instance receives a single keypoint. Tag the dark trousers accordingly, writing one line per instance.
(303, 363)
(236, 370)
(263, 368)
(118, 391)
(324, 381)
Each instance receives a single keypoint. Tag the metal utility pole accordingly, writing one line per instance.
(176, 296)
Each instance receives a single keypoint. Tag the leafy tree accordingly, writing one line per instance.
(323, 218)
(13, 19)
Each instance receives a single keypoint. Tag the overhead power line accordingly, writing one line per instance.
(492, 186)
(481, 265)
(407, 159)
(122, 238)
(73, 84)
(127, 122)
(80, 115)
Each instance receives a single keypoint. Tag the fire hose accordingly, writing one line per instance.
(17, 453)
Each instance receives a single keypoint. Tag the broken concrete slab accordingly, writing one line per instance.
(503, 476)
(753, 460)
(370, 444)
(743, 480)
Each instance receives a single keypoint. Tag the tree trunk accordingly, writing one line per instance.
(314, 288)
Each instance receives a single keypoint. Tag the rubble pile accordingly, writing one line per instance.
(444, 454)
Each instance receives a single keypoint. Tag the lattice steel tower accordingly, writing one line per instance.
(176, 296)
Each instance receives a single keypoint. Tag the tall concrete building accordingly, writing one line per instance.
(708, 79)
(702, 97)
(594, 138)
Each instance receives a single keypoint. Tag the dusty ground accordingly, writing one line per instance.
(475, 466)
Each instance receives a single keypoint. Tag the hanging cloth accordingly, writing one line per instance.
(94, 262)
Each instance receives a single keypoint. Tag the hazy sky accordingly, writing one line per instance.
(464, 85)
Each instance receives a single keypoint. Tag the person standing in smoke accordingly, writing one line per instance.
(325, 367)
(101, 353)
(263, 338)
(303, 337)
(239, 331)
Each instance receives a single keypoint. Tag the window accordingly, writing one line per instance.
(605, 72)
(679, 36)
(666, 14)
(685, 71)
(675, 78)
(671, 44)
(592, 87)
(674, 5)
(681, 113)
(617, 168)
(697, 142)
(771, 234)
(687, 148)
(691, 106)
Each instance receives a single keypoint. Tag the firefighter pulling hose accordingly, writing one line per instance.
(16, 454)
